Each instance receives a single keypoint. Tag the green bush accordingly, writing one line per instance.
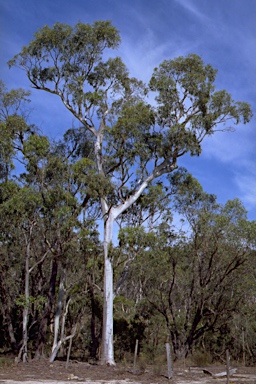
(5, 362)
(201, 358)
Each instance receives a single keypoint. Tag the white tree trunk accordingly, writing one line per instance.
(58, 311)
(59, 344)
(107, 351)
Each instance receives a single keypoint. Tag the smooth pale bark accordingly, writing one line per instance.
(64, 319)
(107, 351)
(58, 343)
(58, 311)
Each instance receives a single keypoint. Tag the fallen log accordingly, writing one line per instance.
(221, 374)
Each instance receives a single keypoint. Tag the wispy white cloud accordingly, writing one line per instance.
(229, 26)
(193, 9)
(246, 182)
(236, 151)
(141, 58)
(231, 147)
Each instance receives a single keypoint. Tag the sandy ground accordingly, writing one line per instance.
(237, 379)
(68, 382)
(84, 373)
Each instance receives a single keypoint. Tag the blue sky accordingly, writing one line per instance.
(222, 32)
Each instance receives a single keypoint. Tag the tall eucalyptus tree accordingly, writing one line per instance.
(134, 142)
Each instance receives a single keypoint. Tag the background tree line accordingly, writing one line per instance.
(58, 280)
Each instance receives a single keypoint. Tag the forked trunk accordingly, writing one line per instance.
(110, 215)
(58, 311)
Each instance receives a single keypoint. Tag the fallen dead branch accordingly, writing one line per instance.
(221, 374)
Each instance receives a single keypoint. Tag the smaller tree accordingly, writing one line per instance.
(195, 282)
(14, 129)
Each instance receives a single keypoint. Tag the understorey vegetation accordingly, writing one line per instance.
(104, 238)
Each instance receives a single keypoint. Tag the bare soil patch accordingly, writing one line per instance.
(50, 373)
